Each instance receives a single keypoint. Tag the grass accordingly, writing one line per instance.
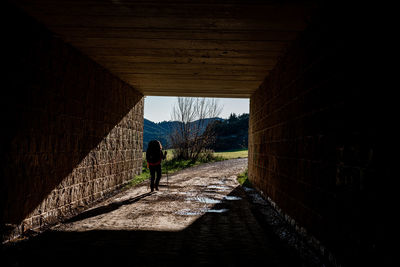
(234, 154)
(172, 165)
(243, 179)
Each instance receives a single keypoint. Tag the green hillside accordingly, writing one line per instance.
(159, 131)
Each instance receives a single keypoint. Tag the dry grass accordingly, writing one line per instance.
(232, 154)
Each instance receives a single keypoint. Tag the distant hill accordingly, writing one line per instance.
(159, 131)
(162, 130)
(231, 133)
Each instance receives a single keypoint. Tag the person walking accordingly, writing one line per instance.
(154, 157)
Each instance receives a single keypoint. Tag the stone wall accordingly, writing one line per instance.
(71, 131)
(319, 140)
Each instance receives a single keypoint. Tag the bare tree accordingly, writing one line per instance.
(191, 134)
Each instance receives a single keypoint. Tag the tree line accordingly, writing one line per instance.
(232, 133)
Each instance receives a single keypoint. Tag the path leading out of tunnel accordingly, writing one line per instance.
(201, 218)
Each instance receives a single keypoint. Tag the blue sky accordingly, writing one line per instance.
(159, 108)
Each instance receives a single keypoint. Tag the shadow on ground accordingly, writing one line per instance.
(107, 208)
(229, 238)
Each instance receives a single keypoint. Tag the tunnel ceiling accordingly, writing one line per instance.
(178, 48)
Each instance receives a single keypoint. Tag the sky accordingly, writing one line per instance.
(159, 108)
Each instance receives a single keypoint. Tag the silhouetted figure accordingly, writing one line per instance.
(154, 156)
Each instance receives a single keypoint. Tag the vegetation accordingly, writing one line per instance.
(243, 179)
(231, 133)
(192, 135)
(233, 154)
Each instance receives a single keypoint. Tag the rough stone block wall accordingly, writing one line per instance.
(72, 132)
(318, 146)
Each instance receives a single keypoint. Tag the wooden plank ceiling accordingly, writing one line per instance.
(178, 48)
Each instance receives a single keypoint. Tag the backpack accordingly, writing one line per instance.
(153, 153)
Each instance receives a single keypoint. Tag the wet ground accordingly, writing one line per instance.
(201, 217)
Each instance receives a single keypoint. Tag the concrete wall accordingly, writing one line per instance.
(71, 131)
(319, 140)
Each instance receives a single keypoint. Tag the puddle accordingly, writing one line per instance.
(217, 211)
(232, 198)
(205, 200)
(248, 189)
(218, 187)
(188, 212)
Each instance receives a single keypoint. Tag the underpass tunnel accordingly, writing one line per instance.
(319, 138)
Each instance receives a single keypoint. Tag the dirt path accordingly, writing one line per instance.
(201, 218)
(188, 195)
